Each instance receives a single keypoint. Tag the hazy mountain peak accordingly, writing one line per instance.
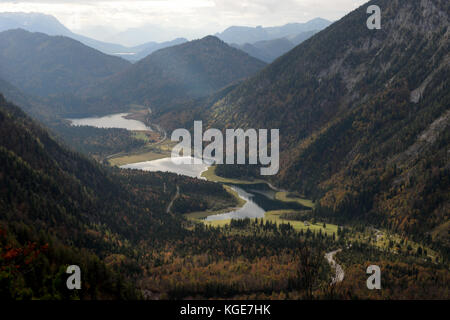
(34, 22)
(318, 19)
(242, 34)
(211, 39)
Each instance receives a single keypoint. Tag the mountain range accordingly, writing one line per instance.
(269, 50)
(77, 79)
(294, 32)
(241, 35)
(173, 75)
(364, 119)
(38, 22)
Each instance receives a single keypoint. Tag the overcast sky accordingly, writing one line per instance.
(192, 16)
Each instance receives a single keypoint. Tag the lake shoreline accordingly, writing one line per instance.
(244, 190)
(111, 121)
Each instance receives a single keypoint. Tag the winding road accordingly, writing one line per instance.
(161, 131)
(169, 207)
(339, 271)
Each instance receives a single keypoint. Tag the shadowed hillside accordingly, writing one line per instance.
(58, 208)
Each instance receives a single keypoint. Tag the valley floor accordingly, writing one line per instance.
(345, 247)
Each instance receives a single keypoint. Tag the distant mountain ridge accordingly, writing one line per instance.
(33, 22)
(246, 38)
(269, 50)
(187, 71)
(43, 23)
(77, 79)
(46, 65)
(146, 49)
(241, 35)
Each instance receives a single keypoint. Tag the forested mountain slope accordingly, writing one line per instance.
(30, 105)
(58, 208)
(46, 65)
(47, 197)
(167, 76)
(364, 116)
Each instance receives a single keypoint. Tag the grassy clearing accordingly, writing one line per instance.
(166, 146)
(148, 153)
(284, 196)
(275, 216)
(141, 157)
(391, 242)
(217, 223)
(141, 135)
(400, 243)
